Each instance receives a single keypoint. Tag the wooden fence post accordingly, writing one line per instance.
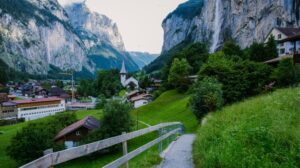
(160, 143)
(125, 150)
(182, 129)
(168, 137)
(173, 136)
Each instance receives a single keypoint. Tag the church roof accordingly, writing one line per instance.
(123, 70)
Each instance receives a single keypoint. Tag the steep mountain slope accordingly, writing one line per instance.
(142, 58)
(105, 47)
(36, 34)
(215, 21)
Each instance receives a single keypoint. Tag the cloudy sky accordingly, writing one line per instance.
(139, 21)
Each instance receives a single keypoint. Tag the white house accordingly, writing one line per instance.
(127, 82)
(141, 100)
(288, 40)
(38, 108)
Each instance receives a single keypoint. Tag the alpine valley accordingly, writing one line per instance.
(39, 36)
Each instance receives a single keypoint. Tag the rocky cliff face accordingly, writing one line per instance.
(105, 47)
(93, 27)
(35, 34)
(215, 21)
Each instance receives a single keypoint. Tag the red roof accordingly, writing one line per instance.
(39, 100)
(88, 122)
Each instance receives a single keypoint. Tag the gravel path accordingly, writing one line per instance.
(180, 154)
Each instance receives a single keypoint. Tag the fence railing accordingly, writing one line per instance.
(69, 154)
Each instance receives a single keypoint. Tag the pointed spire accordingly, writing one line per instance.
(123, 70)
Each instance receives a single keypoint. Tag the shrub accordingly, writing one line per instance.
(32, 140)
(207, 97)
(240, 79)
(286, 73)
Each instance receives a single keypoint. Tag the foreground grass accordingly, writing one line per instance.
(260, 132)
(9, 131)
(169, 107)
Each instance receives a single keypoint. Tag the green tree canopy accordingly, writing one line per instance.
(108, 83)
(29, 143)
(179, 73)
(271, 48)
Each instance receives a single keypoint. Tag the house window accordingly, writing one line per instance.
(282, 51)
(279, 36)
(77, 133)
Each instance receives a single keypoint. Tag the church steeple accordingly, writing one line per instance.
(123, 69)
(123, 74)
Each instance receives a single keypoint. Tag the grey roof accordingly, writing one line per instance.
(8, 104)
(88, 122)
(123, 69)
(289, 31)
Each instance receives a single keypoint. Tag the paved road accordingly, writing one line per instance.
(180, 154)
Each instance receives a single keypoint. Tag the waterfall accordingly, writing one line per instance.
(217, 27)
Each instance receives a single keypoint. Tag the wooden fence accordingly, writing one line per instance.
(80, 151)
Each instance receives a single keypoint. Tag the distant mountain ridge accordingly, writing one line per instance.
(142, 59)
(37, 35)
(105, 47)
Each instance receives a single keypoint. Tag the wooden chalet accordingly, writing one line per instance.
(71, 135)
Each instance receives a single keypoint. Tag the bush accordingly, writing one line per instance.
(286, 73)
(32, 140)
(207, 97)
(240, 79)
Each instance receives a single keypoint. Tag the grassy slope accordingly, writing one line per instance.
(169, 107)
(10, 131)
(260, 132)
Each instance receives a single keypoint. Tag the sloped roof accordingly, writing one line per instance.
(88, 122)
(8, 104)
(289, 31)
(141, 97)
(56, 91)
(291, 38)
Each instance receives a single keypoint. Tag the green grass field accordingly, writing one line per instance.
(9, 131)
(260, 132)
(169, 107)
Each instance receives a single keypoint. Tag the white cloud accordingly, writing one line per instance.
(139, 21)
